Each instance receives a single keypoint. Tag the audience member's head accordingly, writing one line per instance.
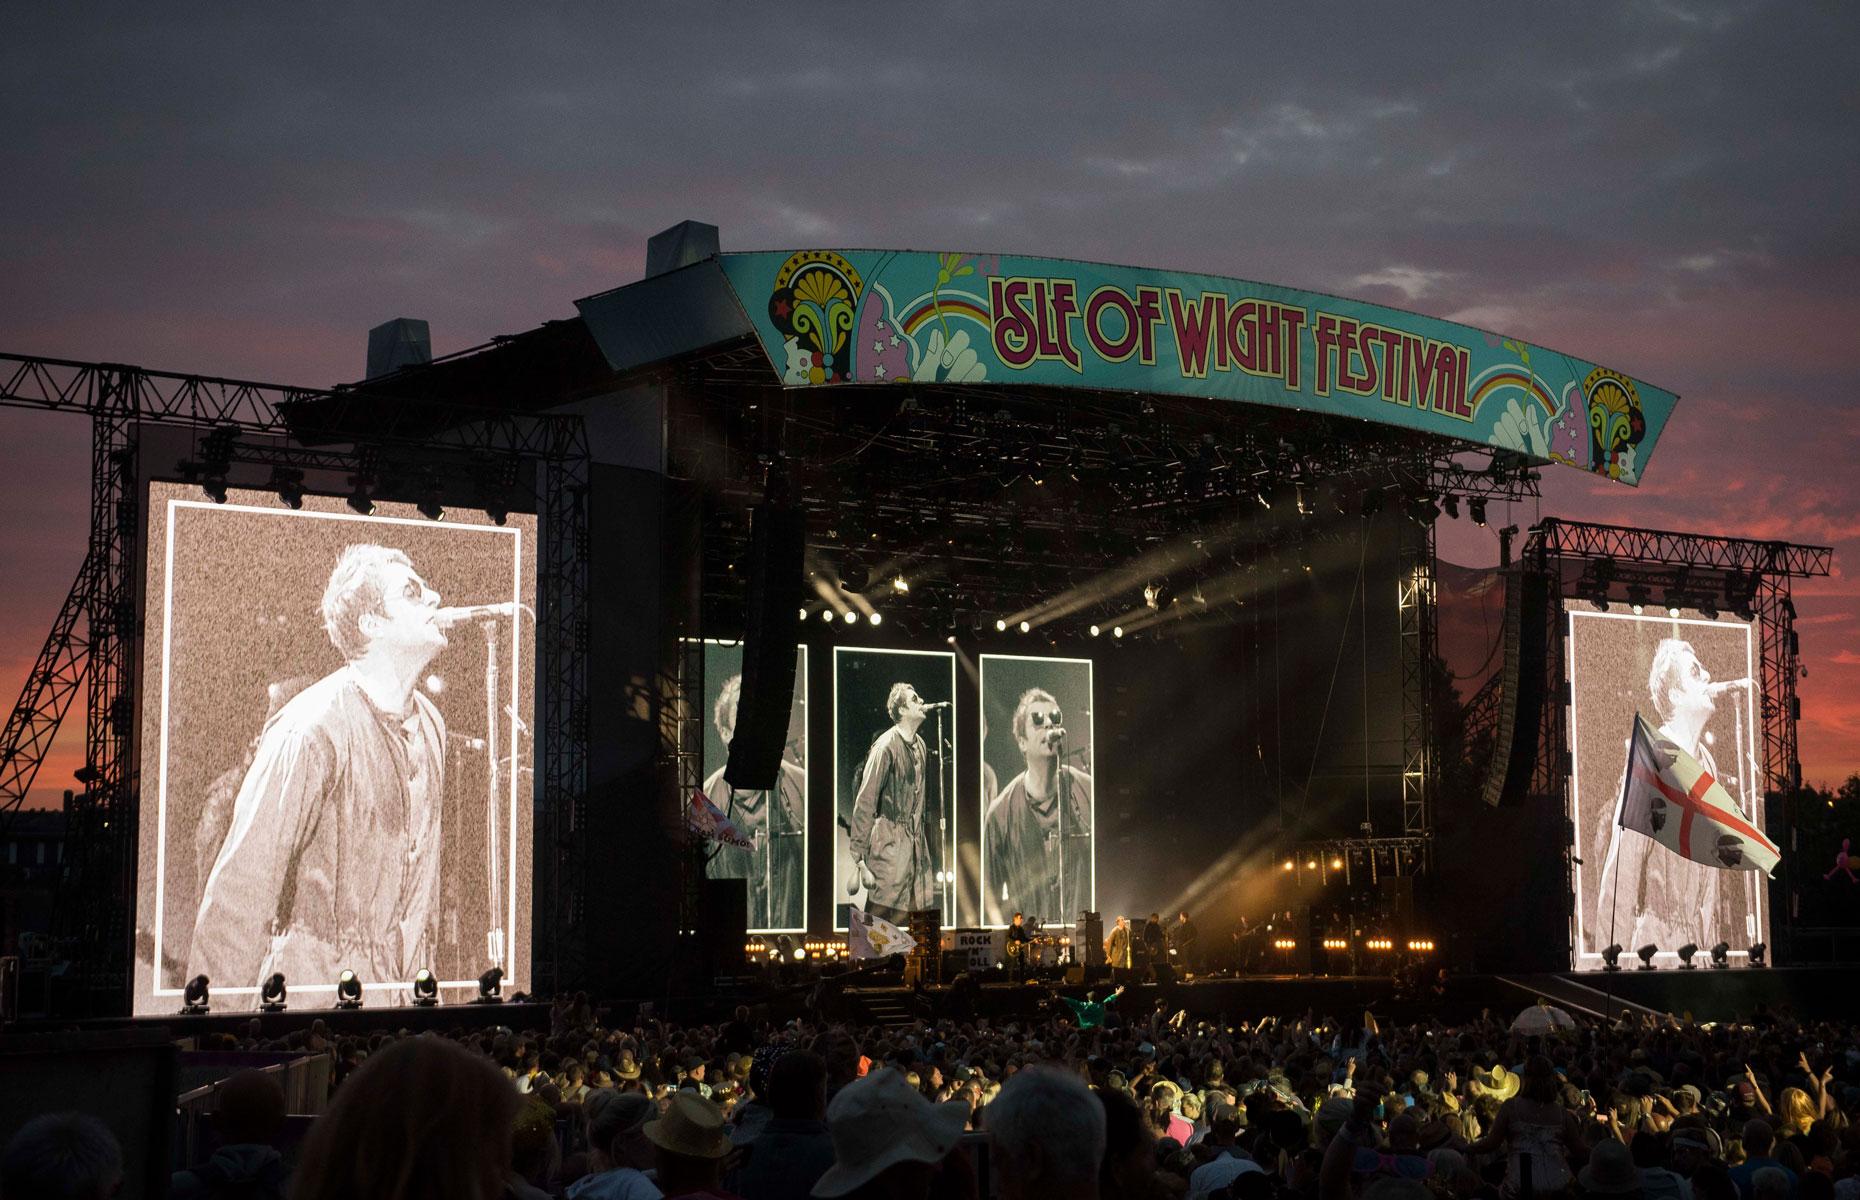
(1049, 1136)
(617, 1129)
(421, 1118)
(797, 1086)
(689, 1141)
(62, 1156)
(888, 1141)
(251, 1108)
(1129, 1168)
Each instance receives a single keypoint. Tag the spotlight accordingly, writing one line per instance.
(826, 614)
(1336, 864)
(215, 489)
(1721, 956)
(1476, 508)
(1756, 954)
(800, 954)
(1423, 510)
(271, 995)
(1312, 865)
(491, 987)
(289, 484)
(1645, 954)
(430, 508)
(1158, 595)
(1708, 609)
(1261, 497)
(1117, 631)
(900, 584)
(876, 619)
(362, 502)
(1451, 503)
(1638, 595)
(851, 616)
(1000, 625)
(1685, 956)
(194, 998)
(1094, 631)
(1025, 627)
(348, 990)
(804, 614)
(497, 512)
(1288, 864)
(1672, 610)
(425, 989)
(1610, 957)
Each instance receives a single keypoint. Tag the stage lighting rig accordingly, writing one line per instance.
(1158, 595)
(195, 1000)
(271, 995)
(1638, 595)
(1611, 958)
(1721, 956)
(1757, 953)
(348, 990)
(430, 506)
(1476, 508)
(1451, 502)
(1645, 954)
(288, 483)
(361, 502)
(491, 987)
(425, 989)
(1685, 956)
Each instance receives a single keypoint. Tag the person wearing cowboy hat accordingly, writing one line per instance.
(1496, 1082)
(689, 1143)
(1531, 1126)
(888, 1141)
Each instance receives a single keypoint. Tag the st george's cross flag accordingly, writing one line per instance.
(874, 937)
(1674, 800)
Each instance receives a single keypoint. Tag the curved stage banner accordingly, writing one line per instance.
(880, 316)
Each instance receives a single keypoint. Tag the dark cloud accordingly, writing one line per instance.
(1666, 187)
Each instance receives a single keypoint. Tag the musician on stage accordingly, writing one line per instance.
(1019, 948)
(1117, 947)
(1182, 943)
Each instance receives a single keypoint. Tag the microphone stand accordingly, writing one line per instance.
(944, 854)
(493, 774)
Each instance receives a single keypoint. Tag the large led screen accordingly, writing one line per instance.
(1037, 820)
(894, 763)
(1691, 679)
(775, 871)
(338, 749)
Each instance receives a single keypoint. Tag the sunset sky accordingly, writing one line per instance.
(1665, 188)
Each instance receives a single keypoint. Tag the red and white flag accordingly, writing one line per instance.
(1674, 800)
(707, 821)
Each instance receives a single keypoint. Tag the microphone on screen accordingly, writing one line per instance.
(446, 618)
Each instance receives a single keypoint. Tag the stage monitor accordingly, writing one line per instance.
(338, 749)
(1038, 820)
(775, 871)
(894, 763)
(1691, 678)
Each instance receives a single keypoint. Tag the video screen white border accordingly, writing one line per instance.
(802, 698)
(841, 843)
(1600, 720)
(167, 505)
(982, 768)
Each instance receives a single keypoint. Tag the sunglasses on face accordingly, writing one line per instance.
(1040, 719)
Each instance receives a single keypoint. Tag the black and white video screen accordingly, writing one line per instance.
(894, 763)
(1037, 820)
(338, 749)
(776, 821)
(1691, 678)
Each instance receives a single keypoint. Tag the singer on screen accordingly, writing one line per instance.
(332, 859)
(890, 841)
(1038, 829)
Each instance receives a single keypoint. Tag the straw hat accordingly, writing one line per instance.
(880, 1121)
(1496, 1082)
(692, 1126)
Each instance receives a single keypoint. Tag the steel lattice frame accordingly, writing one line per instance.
(101, 838)
(1768, 565)
(1419, 641)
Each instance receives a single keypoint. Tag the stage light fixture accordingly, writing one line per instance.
(1645, 954)
(271, 994)
(800, 954)
(1260, 496)
(1757, 953)
(1158, 595)
(1721, 956)
(1685, 956)
(1288, 864)
(1094, 631)
(1336, 864)
(804, 614)
(425, 989)
(497, 512)
(876, 619)
(1312, 865)
(348, 990)
(195, 999)
(491, 987)
(215, 489)
(362, 502)
(290, 487)
(1476, 508)
(826, 614)
(1708, 609)
(1025, 627)
(900, 584)
(1638, 595)
(431, 509)
(1451, 503)
(1611, 957)
(1000, 625)
(1117, 631)
(851, 616)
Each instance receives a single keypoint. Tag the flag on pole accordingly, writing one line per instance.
(708, 822)
(874, 937)
(1674, 800)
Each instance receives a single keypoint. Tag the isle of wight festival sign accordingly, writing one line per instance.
(880, 316)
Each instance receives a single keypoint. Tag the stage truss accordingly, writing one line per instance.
(402, 449)
(1620, 565)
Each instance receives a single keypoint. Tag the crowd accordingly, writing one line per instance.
(1140, 1106)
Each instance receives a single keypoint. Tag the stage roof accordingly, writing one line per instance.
(874, 317)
